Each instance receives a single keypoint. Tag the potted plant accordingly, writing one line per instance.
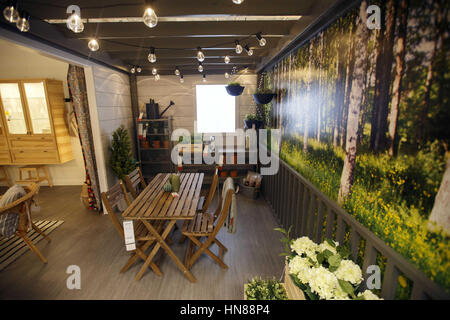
(259, 289)
(321, 271)
(234, 89)
(263, 96)
(121, 161)
(253, 119)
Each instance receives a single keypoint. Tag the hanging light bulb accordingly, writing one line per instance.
(150, 18)
(154, 71)
(238, 1)
(139, 69)
(261, 40)
(248, 50)
(238, 47)
(181, 79)
(227, 75)
(10, 12)
(75, 23)
(227, 59)
(157, 77)
(23, 24)
(177, 71)
(93, 45)
(204, 78)
(152, 55)
(200, 67)
(200, 54)
(133, 70)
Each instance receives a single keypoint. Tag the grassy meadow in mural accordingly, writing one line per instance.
(365, 117)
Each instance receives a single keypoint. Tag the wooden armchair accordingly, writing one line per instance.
(20, 207)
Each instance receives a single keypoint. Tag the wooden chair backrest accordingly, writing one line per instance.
(111, 200)
(222, 211)
(19, 206)
(135, 182)
(212, 191)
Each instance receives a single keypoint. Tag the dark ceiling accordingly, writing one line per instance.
(128, 43)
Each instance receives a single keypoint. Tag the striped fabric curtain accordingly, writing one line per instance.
(78, 94)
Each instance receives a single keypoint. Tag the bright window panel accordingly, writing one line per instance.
(216, 109)
(37, 104)
(15, 118)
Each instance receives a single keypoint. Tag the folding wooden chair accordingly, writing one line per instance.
(203, 203)
(20, 207)
(135, 182)
(144, 240)
(202, 227)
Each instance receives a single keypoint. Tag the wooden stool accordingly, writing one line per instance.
(5, 177)
(33, 175)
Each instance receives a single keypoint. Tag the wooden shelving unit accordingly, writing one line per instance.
(155, 160)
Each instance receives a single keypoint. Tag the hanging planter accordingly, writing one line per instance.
(234, 89)
(263, 98)
(251, 119)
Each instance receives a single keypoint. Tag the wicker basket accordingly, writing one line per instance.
(293, 292)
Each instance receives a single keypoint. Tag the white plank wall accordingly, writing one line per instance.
(183, 94)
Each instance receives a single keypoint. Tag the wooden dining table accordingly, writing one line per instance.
(153, 203)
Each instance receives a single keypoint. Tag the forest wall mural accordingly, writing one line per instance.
(365, 116)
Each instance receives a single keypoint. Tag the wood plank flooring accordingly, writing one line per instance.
(90, 241)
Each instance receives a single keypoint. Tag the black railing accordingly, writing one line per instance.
(296, 202)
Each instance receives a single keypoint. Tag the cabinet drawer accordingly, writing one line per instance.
(5, 157)
(32, 142)
(45, 156)
(3, 143)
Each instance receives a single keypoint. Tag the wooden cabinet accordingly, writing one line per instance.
(32, 126)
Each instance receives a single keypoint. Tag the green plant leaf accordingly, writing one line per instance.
(347, 287)
(334, 260)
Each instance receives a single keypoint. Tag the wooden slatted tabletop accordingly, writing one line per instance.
(155, 204)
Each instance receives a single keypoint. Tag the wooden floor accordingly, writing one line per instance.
(90, 241)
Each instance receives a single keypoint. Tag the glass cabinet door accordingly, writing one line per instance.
(13, 108)
(37, 107)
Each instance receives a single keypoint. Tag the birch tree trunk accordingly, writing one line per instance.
(397, 88)
(362, 37)
(309, 99)
(440, 215)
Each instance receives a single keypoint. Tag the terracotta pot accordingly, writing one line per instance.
(156, 144)
(224, 174)
(233, 173)
(166, 144)
(145, 144)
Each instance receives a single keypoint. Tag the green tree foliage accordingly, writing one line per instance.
(122, 161)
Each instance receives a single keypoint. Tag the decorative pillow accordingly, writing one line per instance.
(10, 221)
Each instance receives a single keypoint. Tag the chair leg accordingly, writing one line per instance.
(187, 258)
(220, 245)
(47, 176)
(42, 233)
(32, 247)
(182, 239)
(203, 247)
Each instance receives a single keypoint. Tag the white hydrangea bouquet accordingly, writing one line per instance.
(323, 271)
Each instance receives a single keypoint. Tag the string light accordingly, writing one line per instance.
(227, 75)
(23, 23)
(139, 69)
(227, 59)
(181, 79)
(200, 55)
(238, 47)
(248, 50)
(10, 12)
(204, 78)
(75, 23)
(154, 71)
(93, 45)
(261, 40)
(133, 70)
(150, 18)
(177, 71)
(157, 77)
(200, 67)
(152, 55)
(238, 1)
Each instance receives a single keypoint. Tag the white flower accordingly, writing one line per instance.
(301, 268)
(304, 245)
(323, 282)
(340, 294)
(326, 246)
(349, 271)
(369, 295)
